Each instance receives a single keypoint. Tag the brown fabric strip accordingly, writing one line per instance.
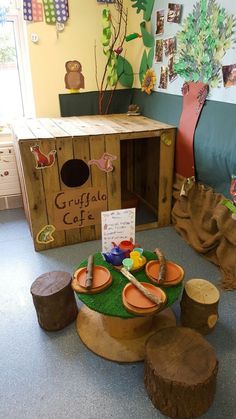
(207, 225)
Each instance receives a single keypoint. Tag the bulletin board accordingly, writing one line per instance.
(169, 30)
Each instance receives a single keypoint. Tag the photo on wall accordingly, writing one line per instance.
(159, 51)
(172, 74)
(174, 13)
(160, 15)
(163, 78)
(169, 46)
(229, 75)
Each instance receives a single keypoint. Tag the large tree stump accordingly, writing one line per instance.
(54, 300)
(199, 305)
(180, 372)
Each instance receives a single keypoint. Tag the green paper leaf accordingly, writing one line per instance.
(106, 14)
(148, 12)
(143, 66)
(148, 39)
(125, 72)
(140, 5)
(150, 57)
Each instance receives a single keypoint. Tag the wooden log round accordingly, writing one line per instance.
(180, 372)
(199, 305)
(54, 300)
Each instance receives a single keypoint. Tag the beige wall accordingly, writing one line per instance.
(76, 42)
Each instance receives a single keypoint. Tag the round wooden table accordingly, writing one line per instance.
(108, 329)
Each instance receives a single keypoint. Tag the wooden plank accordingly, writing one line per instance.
(21, 131)
(86, 127)
(136, 123)
(51, 184)
(102, 124)
(82, 151)
(35, 192)
(68, 125)
(166, 176)
(112, 145)
(38, 129)
(98, 177)
(142, 134)
(65, 152)
(52, 127)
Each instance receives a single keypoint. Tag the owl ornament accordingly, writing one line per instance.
(74, 79)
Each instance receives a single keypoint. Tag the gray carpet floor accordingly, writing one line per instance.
(52, 374)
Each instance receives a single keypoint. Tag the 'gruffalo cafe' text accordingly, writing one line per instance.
(80, 208)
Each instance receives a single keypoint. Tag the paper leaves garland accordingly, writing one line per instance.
(54, 11)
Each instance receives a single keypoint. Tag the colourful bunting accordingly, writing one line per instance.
(27, 10)
(62, 10)
(49, 11)
(37, 11)
(54, 10)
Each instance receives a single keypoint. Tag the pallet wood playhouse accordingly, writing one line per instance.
(73, 168)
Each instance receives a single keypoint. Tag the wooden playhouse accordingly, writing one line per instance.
(73, 168)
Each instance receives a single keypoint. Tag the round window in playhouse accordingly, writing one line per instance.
(74, 173)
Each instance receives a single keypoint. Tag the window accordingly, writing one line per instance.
(16, 98)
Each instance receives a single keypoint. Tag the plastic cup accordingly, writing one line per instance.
(127, 263)
(138, 249)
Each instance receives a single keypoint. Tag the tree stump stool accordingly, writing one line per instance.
(199, 305)
(180, 372)
(54, 300)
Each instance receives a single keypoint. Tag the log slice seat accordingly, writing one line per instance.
(54, 300)
(199, 305)
(180, 372)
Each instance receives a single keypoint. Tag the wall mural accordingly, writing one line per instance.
(171, 24)
(202, 42)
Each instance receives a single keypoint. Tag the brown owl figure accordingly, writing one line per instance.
(74, 79)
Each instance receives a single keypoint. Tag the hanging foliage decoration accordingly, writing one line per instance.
(201, 44)
(146, 6)
(117, 67)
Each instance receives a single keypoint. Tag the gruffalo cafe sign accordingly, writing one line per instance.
(78, 208)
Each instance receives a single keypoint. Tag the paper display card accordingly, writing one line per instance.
(117, 225)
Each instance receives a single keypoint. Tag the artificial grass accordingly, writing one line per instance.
(109, 302)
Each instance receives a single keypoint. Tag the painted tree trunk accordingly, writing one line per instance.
(194, 96)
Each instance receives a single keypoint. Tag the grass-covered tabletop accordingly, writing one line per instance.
(109, 302)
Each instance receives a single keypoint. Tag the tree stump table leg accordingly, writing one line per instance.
(118, 339)
(54, 300)
(180, 372)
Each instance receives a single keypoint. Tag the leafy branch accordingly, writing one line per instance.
(113, 37)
